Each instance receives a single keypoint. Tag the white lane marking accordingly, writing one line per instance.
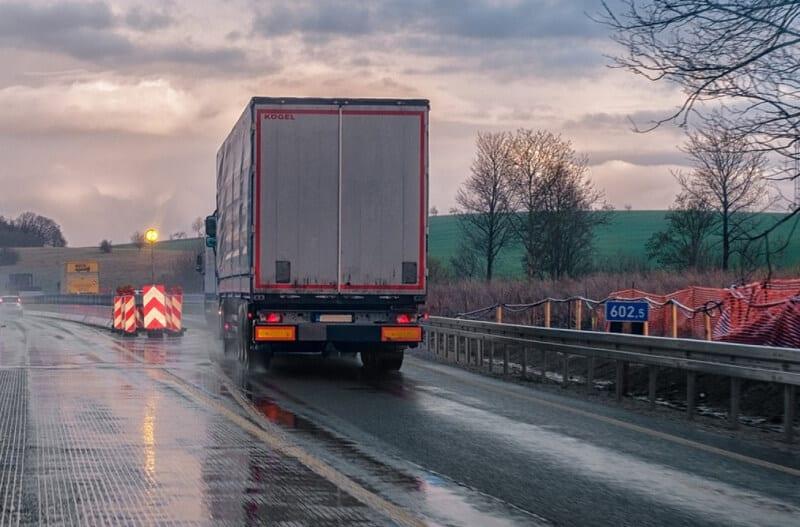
(623, 424)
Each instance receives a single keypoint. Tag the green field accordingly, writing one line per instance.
(618, 244)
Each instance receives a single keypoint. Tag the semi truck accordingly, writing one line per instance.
(320, 229)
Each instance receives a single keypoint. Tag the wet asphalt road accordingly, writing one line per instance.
(104, 430)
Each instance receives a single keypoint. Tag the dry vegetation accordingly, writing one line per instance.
(450, 298)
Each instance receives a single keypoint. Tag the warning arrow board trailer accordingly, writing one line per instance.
(82, 278)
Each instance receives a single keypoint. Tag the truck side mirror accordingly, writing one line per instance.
(211, 231)
(211, 226)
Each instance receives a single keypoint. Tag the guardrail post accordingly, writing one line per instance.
(652, 378)
(620, 381)
(674, 320)
(789, 407)
(505, 359)
(524, 363)
(456, 338)
(544, 366)
(547, 312)
(498, 314)
(589, 374)
(491, 357)
(736, 390)
(691, 393)
(565, 372)
(481, 344)
(578, 314)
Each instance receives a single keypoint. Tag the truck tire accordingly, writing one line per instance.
(243, 352)
(392, 361)
(382, 360)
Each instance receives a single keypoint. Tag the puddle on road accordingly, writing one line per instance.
(439, 500)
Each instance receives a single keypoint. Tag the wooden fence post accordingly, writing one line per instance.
(707, 319)
(498, 314)
(547, 314)
(674, 320)
(578, 314)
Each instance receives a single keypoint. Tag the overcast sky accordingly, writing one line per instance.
(111, 113)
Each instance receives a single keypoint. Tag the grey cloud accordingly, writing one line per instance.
(478, 19)
(89, 32)
(20, 18)
(328, 18)
(225, 58)
(647, 159)
(513, 40)
(83, 31)
(634, 121)
(144, 20)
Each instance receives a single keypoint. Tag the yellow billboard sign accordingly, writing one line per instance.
(86, 266)
(83, 284)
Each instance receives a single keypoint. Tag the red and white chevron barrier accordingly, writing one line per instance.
(174, 313)
(129, 314)
(155, 306)
(117, 318)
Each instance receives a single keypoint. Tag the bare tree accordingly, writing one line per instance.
(199, 227)
(137, 239)
(179, 235)
(686, 242)
(105, 246)
(742, 54)
(484, 212)
(727, 177)
(554, 204)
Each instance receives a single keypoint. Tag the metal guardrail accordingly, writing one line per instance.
(477, 343)
(93, 300)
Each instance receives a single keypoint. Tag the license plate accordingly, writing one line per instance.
(336, 317)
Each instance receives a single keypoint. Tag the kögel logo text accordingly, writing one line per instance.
(279, 116)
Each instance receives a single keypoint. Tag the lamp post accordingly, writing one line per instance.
(151, 237)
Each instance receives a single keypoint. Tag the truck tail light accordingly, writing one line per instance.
(272, 318)
(403, 318)
(275, 334)
(401, 334)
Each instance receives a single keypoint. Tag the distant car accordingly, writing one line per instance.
(10, 306)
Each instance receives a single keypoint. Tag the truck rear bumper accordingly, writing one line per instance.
(341, 333)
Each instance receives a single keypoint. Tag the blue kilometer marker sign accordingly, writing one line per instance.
(627, 311)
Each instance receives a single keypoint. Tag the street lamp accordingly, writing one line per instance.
(151, 237)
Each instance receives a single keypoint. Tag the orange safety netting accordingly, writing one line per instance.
(766, 313)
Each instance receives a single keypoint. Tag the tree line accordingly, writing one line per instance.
(532, 188)
(30, 230)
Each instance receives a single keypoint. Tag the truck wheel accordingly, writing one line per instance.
(243, 337)
(391, 361)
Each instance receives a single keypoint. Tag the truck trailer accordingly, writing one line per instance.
(320, 229)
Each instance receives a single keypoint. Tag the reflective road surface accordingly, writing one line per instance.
(100, 430)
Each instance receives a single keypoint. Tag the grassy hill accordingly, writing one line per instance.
(617, 245)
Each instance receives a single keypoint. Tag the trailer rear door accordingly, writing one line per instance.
(383, 202)
(297, 179)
